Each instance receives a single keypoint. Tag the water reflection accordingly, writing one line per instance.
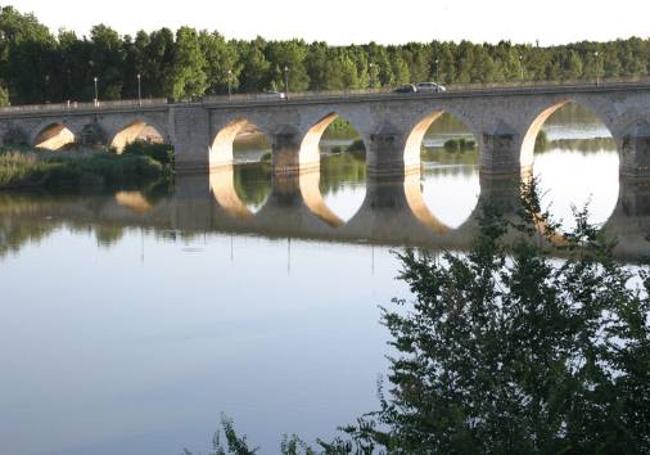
(573, 179)
(577, 163)
(450, 175)
(343, 183)
(342, 169)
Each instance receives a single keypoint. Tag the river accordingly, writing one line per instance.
(130, 321)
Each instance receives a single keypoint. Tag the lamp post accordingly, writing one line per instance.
(597, 63)
(96, 91)
(229, 84)
(521, 67)
(47, 84)
(437, 71)
(139, 89)
(286, 81)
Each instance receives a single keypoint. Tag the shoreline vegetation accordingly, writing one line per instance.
(141, 163)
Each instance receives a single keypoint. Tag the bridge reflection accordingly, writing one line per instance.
(393, 212)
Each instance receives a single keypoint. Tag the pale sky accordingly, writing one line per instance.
(353, 21)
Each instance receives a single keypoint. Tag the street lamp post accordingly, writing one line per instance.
(286, 81)
(96, 91)
(139, 89)
(437, 71)
(47, 84)
(521, 67)
(597, 63)
(229, 84)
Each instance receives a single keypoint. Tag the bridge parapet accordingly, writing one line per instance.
(81, 107)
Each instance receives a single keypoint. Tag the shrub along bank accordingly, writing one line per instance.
(140, 162)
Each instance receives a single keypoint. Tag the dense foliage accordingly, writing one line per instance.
(21, 169)
(38, 66)
(507, 350)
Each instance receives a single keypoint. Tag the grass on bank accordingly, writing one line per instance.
(31, 168)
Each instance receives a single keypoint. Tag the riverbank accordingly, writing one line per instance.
(73, 169)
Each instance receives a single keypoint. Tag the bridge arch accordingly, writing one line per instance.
(441, 160)
(134, 129)
(539, 118)
(576, 161)
(52, 135)
(223, 144)
(332, 159)
(421, 126)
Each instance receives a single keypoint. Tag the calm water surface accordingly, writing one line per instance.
(124, 329)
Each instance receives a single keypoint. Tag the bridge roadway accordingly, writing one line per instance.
(392, 213)
(504, 120)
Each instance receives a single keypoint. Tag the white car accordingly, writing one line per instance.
(431, 87)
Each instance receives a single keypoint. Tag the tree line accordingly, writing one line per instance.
(38, 66)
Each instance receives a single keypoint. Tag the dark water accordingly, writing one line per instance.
(130, 321)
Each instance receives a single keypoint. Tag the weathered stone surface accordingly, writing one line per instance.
(505, 123)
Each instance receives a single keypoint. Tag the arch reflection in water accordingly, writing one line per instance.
(341, 179)
(449, 176)
(576, 163)
(243, 155)
(241, 190)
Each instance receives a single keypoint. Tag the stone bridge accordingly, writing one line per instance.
(505, 122)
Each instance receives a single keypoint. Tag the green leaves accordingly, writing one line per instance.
(511, 349)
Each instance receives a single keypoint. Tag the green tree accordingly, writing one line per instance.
(158, 64)
(573, 66)
(508, 350)
(290, 55)
(188, 78)
(107, 61)
(399, 69)
(255, 73)
(26, 56)
(221, 63)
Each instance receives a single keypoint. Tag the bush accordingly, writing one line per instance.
(163, 153)
(459, 145)
(22, 169)
(357, 146)
(112, 169)
(452, 146)
(19, 169)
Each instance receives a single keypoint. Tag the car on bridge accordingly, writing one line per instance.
(431, 87)
(407, 88)
(272, 95)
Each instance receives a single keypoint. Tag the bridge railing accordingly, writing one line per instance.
(320, 95)
(275, 97)
(76, 106)
(569, 83)
(473, 87)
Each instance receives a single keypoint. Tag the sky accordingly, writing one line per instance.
(352, 21)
